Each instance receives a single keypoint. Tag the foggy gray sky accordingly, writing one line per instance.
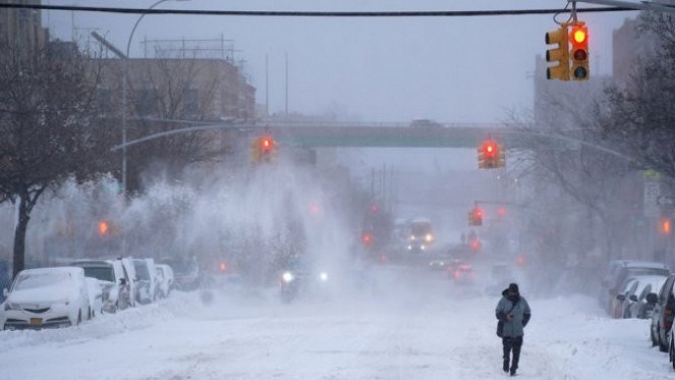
(470, 69)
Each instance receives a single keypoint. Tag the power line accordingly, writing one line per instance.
(519, 12)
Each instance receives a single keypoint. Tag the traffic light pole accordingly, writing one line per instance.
(644, 5)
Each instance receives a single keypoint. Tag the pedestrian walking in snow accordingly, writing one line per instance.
(513, 312)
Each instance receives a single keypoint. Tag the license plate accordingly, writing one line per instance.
(36, 321)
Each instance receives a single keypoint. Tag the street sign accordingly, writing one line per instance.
(652, 192)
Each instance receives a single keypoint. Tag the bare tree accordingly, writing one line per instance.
(46, 110)
(166, 93)
(638, 119)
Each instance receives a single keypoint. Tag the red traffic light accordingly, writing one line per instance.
(501, 211)
(367, 239)
(478, 213)
(579, 35)
(266, 143)
(103, 228)
(665, 226)
(489, 149)
(373, 208)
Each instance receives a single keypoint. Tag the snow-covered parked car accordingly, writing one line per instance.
(115, 287)
(146, 276)
(165, 279)
(95, 293)
(643, 300)
(46, 297)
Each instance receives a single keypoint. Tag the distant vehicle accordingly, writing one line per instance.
(46, 297)
(440, 263)
(420, 234)
(300, 277)
(462, 273)
(187, 275)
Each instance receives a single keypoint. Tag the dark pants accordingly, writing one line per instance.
(512, 344)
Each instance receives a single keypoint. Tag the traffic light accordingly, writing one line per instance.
(559, 54)
(367, 239)
(579, 52)
(490, 155)
(665, 226)
(267, 148)
(103, 228)
(263, 149)
(501, 211)
(476, 217)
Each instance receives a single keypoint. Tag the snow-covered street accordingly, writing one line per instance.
(414, 325)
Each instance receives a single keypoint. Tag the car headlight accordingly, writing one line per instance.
(323, 276)
(11, 306)
(287, 277)
(429, 237)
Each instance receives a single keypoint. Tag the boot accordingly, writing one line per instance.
(506, 365)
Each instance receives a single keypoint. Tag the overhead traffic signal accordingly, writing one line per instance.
(579, 52)
(490, 155)
(559, 54)
(366, 238)
(476, 217)
(103, 228)
(263, 149)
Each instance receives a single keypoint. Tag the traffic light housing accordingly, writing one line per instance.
(559, 54)
(579, 52)
(263, 149)
(491, 155)
(476, 217)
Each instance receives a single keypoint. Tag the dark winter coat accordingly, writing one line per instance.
(521, 315)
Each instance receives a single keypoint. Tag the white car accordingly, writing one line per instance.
(130, 275)
(95, 293)
(112, 279)
(165, 277)
(46, 297)
(146, 276)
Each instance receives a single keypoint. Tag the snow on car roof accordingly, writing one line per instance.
(67, 270)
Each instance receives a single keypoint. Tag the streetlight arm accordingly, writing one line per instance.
(138, 22)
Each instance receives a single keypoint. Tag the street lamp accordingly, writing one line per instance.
(125, 74)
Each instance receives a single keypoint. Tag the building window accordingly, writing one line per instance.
(190, 103)
(146, 102)
(104, 102)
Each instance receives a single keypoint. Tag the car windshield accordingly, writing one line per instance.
(39, 280)
(141, 270)
(101, 273)
(420, 228)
